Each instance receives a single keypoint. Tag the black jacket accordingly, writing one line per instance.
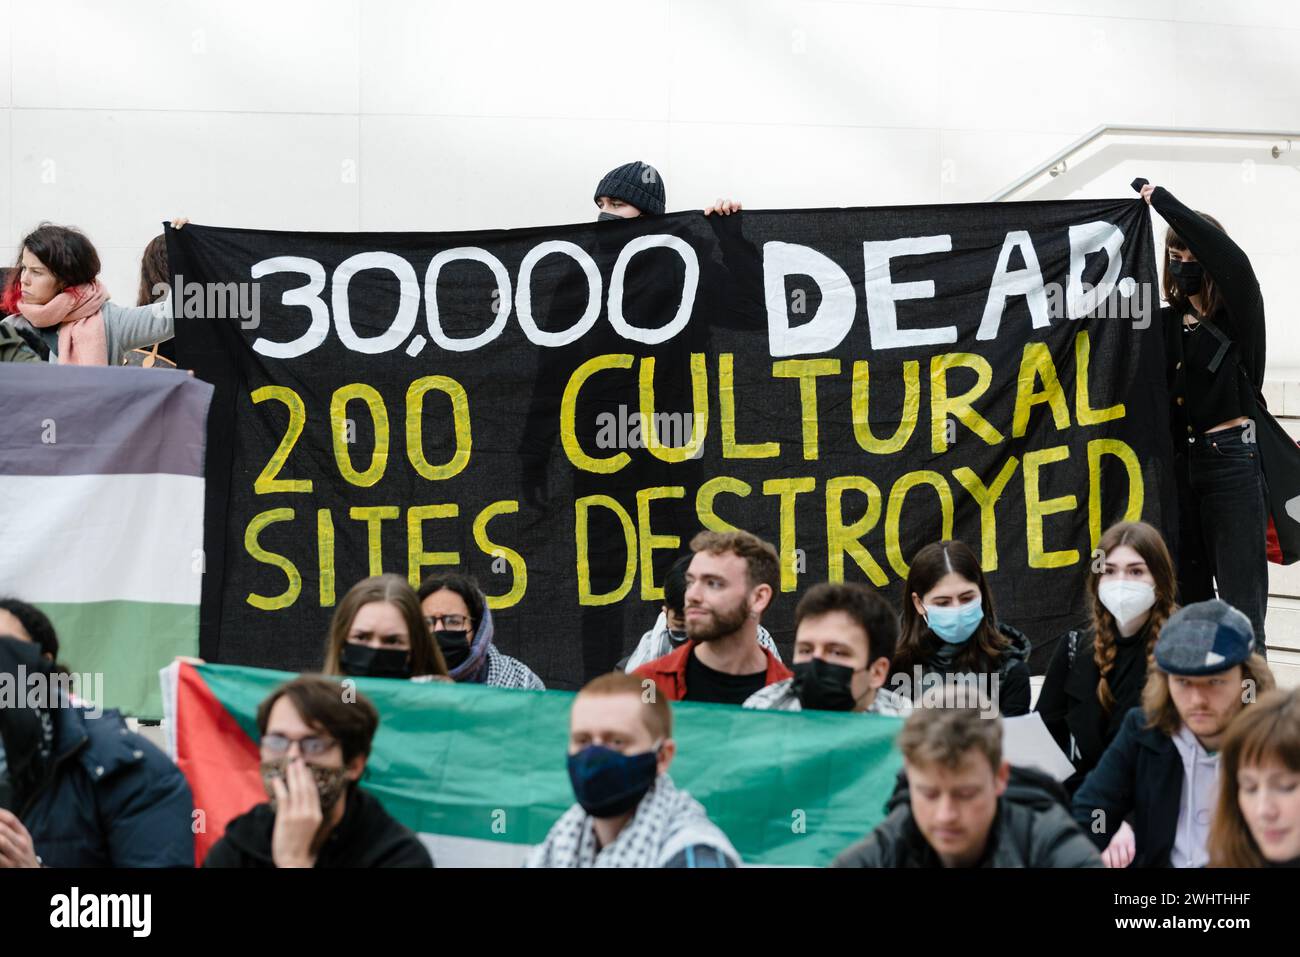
(1139, 778)
(1068, 700)
(1013, 673)
(1032, 829)
(367, 836)
(112, 799)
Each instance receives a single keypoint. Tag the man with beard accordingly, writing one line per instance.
(1161, 773)
(730, 582)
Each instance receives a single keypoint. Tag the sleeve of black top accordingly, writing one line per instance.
(410, 852)
(1229, 266)
(1014, 694)
(1051, 696)
(223, 854)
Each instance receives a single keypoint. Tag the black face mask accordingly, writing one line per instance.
(1188, 276)
(822, 686)
(27, 732)
(608, 217)
(455, 647)
(362, 661)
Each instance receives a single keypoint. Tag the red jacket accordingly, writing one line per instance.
(669, 672)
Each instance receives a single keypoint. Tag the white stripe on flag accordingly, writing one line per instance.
(449, 851)
(82, 538)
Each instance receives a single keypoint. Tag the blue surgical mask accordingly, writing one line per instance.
(955, 625)
(608, 783)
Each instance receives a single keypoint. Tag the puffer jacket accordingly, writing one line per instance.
(112, 799)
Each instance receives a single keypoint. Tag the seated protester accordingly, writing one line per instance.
(1161, 771)
(629, 812)
(314, 750)
(78, 790)
(729, 583)
(55, 286)
(669, 631)
(956, 812)
(457, 615)
(843, 642)
(378, 631)
(1096, 675)
(950, 631)
(1257, 822)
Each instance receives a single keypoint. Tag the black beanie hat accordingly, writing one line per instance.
(637, 183)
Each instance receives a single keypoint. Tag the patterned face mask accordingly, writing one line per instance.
(330, 782)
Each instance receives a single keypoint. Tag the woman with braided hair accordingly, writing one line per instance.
(1096, 673)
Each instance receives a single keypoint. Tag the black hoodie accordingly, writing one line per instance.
(367, 836)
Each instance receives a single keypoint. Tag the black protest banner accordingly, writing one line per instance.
(558, 410)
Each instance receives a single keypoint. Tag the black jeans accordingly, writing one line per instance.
(1223, 524)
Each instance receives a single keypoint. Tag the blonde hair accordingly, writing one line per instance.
(655, 713)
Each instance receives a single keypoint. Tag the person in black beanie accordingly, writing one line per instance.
(637, 189)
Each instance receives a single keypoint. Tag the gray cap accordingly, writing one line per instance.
(1206, 638)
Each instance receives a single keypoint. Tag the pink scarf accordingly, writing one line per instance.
(76, 311)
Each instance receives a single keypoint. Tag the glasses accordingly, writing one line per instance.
(312, 746)
(450, 622)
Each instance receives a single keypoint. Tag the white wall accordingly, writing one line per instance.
(396, 114)
(388, 114)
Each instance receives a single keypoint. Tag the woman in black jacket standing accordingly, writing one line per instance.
(1096, 674)
(1214, 350)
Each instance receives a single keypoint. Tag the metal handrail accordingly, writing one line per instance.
(1107, 130)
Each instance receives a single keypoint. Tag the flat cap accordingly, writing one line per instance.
(1205, 638)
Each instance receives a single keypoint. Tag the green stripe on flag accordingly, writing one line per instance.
(488, 763)
(126, 642)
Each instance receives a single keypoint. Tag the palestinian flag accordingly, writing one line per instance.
(479, 772)
(101, 517)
